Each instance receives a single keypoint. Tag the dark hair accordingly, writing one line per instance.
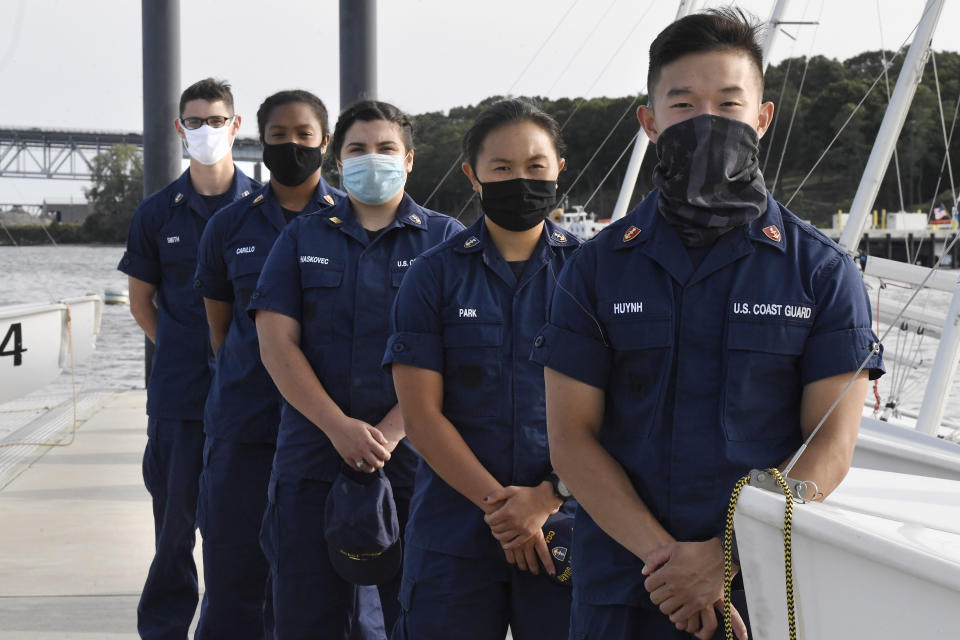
(368, 111)
(288, 97)
(722, 29)
(503, 113)
(210, 90)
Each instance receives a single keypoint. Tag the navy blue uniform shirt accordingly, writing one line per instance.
(243, 404)
(463, 313)
(325, 273)
(162, 250)
(703, 368)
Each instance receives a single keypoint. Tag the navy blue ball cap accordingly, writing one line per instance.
(362, 529)
(558, 533)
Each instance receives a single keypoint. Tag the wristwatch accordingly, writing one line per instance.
(559, 489)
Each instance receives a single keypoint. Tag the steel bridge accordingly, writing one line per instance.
(67, 154)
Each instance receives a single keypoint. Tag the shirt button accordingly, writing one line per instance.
(256, 294)
(126, 260)
(538, 341)
(197, 284)
(398, 347)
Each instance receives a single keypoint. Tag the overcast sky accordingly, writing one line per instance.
(76, 63)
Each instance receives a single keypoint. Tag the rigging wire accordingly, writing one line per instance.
(886, 79)
(853, 112)
(612, 167)
(793, 115)
(516, 81)
(583, 44)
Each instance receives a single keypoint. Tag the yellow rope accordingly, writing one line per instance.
(787, 553)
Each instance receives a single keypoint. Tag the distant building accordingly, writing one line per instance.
(66, 209)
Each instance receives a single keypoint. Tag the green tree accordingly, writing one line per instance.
(117, 190)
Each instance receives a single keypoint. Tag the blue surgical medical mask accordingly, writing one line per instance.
(374, 178)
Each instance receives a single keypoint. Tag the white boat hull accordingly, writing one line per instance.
(36, 342)
(856, 574)
(888, 447)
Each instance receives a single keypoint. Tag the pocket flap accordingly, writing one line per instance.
(319, 277)
(645, 334)
(767, 337)
(473, 335)
(246, 265)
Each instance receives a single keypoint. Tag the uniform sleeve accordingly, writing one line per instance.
(416, 328)
(211, 277)
(141, 260)
(572, 341)
(278, 288)
(841, 337)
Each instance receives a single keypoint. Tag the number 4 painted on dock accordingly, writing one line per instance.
(13, 332)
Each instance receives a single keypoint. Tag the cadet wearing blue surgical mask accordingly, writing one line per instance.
(243, 408)
(463, 326)
(160, 260)
(321, 308)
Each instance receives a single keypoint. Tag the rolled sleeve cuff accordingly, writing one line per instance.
(141, 268)
(838, 352)
(213, 286)
(260, 300)
(423, 350)
(573, 355)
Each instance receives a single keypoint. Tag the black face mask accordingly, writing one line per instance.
(518, 204)
(709, 178)
(290, 163)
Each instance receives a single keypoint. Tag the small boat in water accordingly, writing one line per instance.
(116, 296)
(39, 341)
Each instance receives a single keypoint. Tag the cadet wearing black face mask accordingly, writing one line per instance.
(463, 325)
(243, 408)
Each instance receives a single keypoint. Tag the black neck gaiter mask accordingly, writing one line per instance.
(709, 178)
(518, 204)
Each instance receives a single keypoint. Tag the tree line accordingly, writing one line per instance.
(814, 98)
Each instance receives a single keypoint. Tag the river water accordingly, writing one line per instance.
(45, 273)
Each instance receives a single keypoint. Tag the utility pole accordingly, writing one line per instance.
(358, 51)
(160, 23)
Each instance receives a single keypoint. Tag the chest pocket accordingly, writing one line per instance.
(642, 362)
(761, 390)
(243, 272)
(320, 288)
(472, 355)
(178, 259)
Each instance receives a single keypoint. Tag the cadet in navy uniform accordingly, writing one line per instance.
(160, 261)
(243, 408)
(322, 314)
(703, 335)
(464, 322)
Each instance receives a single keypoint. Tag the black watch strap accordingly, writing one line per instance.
(559, 489)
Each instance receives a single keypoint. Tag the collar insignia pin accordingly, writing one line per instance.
(245, 194)
(328, 198)
(631, 233)
(336, 220)
(772, 232)
(177, 198)
(258, 199)
(559, 237)
(415, 219)
(471, 242)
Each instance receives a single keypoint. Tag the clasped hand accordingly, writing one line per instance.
(685, 580)
(357, 441)
(515, 516)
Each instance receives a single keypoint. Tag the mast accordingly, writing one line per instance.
(891, 126)
(358, 51)
(773, 26)
(640, 146)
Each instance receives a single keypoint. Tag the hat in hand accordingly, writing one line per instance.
(558, 533)
(361, 527)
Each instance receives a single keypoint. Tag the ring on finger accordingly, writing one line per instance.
(360, 463)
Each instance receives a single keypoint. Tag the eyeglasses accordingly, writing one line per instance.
(214, 121)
